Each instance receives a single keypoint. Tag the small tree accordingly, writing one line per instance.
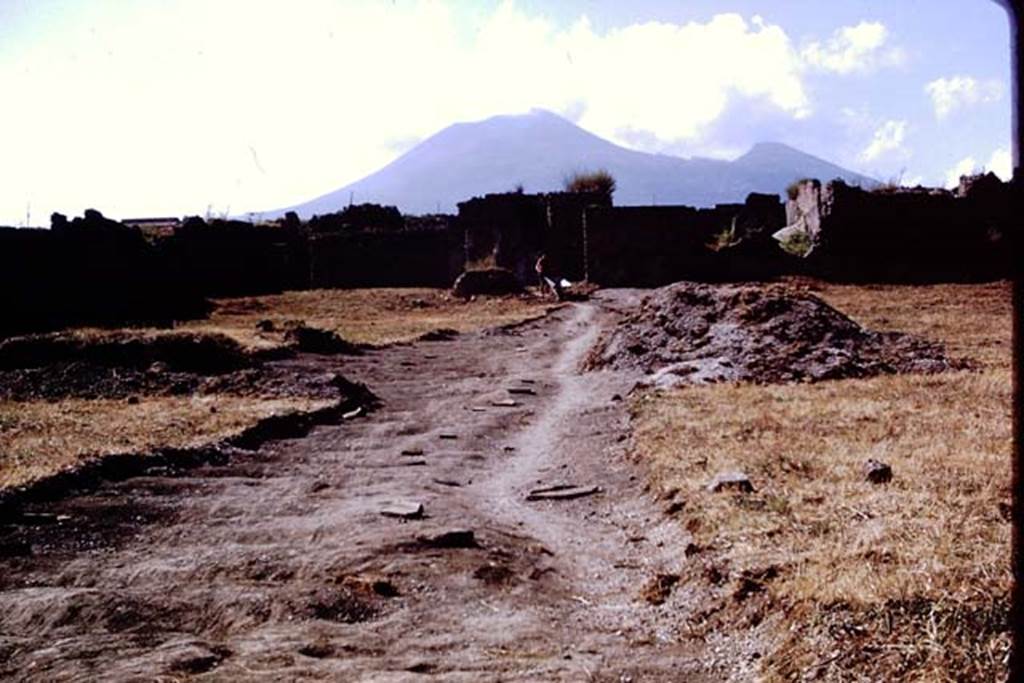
(598, 182)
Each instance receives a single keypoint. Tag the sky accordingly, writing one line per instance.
(218, 107)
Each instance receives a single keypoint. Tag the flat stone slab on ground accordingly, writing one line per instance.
(562, 492)
(505, 403)
(403, 510)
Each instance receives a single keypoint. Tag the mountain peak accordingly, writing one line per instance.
(768, 149)
(538, 149)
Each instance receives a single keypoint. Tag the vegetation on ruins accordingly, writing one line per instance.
(597, 182)
(724, 238)
(793, 189)
(798, 243)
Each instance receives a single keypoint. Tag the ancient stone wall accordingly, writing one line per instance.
(564, 234)
(235, 258)
(647, 246)
(654, 245)
(906, 235)
(87, 271)
(803, 209)
(504, 231)
(358, 217)
(407, 258)
(511, 230)
(94, 270)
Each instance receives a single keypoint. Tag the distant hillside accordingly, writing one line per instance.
(537, 150)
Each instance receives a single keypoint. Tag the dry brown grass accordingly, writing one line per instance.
(366, 316)
(971, 320)
(361, 316)
(38, 438)
(905, 581)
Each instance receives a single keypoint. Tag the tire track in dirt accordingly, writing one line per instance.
(278, 564)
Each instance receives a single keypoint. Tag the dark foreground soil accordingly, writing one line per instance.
(51, 367)
(278, 564)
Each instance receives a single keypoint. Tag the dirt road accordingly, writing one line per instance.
(278, 564)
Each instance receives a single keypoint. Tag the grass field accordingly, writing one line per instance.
(366, 316)
(854, 581)
(40, 438)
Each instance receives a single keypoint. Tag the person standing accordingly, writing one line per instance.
(547, 277)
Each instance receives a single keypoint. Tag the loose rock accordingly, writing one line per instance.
(315, 340)
(562, 492)
(658, 589)
(403, 510)
(731, 481)
(459, 538)
(877, 472)
(442, 334)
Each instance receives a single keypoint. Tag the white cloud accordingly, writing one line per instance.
(120, 116)
(623, 74)
(959, 92)
(888, 138)
(1000, 163)
(966, 166)
(853, 49)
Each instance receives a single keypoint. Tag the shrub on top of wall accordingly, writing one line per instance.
(598, 182)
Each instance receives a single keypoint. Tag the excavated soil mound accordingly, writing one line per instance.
(314, 340)
(56, 366)
(490, 282)
(690, 333)
(178, 351)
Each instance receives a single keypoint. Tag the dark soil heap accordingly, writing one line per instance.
(124, 365)
(690, 333)
(489, 282)
(180, 351)
(314, 340)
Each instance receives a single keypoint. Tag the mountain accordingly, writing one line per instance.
(538, 150)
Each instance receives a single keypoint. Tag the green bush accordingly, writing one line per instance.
(798, 244)
(726, 237)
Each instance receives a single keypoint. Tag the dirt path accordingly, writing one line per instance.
(278, 564)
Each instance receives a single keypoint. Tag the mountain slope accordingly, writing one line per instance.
(538, 150)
